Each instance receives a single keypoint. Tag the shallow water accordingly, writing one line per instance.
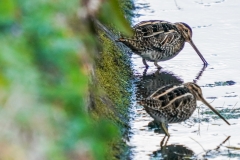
(216, 32)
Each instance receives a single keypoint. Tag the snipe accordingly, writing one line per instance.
(158, 40)
(173, 104)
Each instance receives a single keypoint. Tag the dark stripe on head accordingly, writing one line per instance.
(187, 26)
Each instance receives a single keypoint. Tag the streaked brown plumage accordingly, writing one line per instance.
(158, 40)
(172, 104)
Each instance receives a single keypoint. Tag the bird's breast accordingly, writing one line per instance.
(161, 53)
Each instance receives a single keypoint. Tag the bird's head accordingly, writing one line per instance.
(195, 90)
(186, 31)
(197, 93)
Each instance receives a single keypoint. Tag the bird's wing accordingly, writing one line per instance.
(161, 90)
(153, 27)
(150, 103)
(163, 34)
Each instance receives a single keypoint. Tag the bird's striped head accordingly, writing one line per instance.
(195, 90)
(185, 30)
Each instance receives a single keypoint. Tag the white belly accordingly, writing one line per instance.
(155, 56)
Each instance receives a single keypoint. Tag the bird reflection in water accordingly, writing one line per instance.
(172, 152)
(181, 152)
(148, 83)
(199, 74)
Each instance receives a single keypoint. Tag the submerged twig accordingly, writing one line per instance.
(223, 142)
(232, 147)
(199, 144)
(223, 104)
(179, 8)
(234, 106)
(219, 145)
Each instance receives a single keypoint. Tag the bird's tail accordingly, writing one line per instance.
(142, 102)
(120, 40)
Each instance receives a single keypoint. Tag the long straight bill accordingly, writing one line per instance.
(198, 52)
(214, 110)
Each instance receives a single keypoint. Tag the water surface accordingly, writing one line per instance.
(216, 32)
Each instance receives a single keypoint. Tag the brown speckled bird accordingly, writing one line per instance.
(158, 40)
(174, 103)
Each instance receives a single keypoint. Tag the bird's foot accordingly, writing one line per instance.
(158, 67)
(162, 144)
(145, 63)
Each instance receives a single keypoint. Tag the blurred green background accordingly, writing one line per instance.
(47, 53)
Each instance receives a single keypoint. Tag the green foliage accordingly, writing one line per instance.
(114, 13)
(7, 12)
(128, 8)
(44, 81)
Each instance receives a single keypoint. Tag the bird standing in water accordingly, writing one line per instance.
(173, 104)
(158, 40)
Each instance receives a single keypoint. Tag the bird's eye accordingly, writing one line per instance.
(186, 30)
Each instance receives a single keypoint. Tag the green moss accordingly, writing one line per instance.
(113, 74)
(110, 95)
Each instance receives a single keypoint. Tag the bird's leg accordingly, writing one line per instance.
(163, 127)
(164, 145)
(157, 72)
(155, 63)
(145, 72)
(162, 141)
(167, 140)
(145, 63)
